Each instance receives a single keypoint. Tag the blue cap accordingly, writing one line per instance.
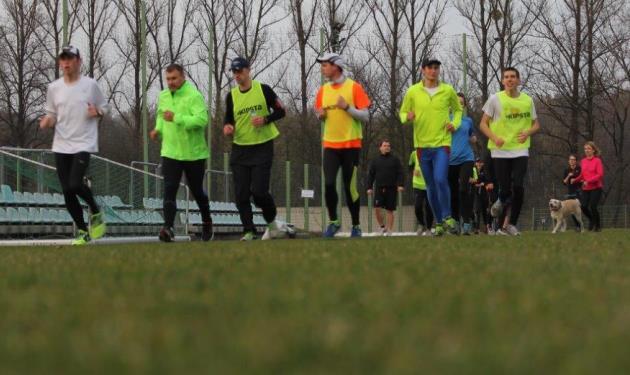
(239, 63)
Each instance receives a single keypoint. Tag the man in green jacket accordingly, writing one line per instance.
(181, 121)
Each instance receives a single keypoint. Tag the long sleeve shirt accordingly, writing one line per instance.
(592, 173)
(385, 171)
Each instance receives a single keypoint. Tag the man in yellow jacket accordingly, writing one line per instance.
(181, 121)
(428, 105)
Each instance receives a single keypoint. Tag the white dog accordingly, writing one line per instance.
(561, 210)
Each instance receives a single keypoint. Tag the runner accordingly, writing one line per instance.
(74, 106)
(429, 105)
(385, 180)
(460, 171)
(343, 105)
(424, 216)
(252, 108)
(509, 120)
(592, 179)
(181, 122)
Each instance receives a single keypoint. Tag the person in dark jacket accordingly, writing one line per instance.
(484, 193)
(574, 190)
(385, 180)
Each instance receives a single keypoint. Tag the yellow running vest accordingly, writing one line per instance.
(339, 126)
(516, 116)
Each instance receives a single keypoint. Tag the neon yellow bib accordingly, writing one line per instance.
(339, 125)
(516, 116)
(247, 105)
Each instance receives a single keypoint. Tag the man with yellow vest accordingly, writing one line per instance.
(421, 203)
(251, 110)
(429, 105)
(343, 105)
(182, 117)
(509, 120)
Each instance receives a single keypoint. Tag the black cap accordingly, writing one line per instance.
(69, 51)
(431, 61)
(239, 63)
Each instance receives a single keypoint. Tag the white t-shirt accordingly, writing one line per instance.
(74, 131)
(492, 108)
(432, 90)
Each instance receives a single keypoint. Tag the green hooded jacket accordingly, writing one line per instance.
(184, 137)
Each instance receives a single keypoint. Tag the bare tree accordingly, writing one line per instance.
(97, 20)
(303, 22)
(423, 19)
(566, 63)
(342, 20)
(172, 33)
(22, 85)
(51, 29)
(253, 21)
(129, 47)
(215, 19)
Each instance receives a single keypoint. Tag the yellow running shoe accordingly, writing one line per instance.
(83, 238)
(97, 226)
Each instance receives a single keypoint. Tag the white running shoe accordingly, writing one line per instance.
(274, 230)
(512, 230)
(502, 232)
(420, 230)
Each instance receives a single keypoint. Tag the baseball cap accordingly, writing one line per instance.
(239, 63)
(69, 51)
(333, 58)
(430, 61)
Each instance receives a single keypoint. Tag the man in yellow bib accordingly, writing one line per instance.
(509, 120)
(251, 110)
(343, 105)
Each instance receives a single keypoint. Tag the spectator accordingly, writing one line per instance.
(592, 179)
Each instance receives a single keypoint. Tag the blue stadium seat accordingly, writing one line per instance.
(34, 215)
(7, 195)
(29, 198)
(23, 215)
(58, 200)
(4, 219)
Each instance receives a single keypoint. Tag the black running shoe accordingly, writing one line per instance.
(206, 231)
(167, 234)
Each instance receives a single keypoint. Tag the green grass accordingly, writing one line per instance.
(536, 304)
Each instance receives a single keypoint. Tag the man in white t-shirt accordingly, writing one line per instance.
(509, 120)
(74, 106)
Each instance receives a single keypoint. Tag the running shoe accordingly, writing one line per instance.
(439, 230)
(356, 231)
(97, 226)
(207, 233)
(451, 225)
(273, 230)
(467, 229)
(83, 238)
(166, 234)
(248, 236)
(332, 229)
(512, 230)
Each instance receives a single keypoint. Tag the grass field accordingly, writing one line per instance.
(535, 304)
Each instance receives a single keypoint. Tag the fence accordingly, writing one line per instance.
(296, 188)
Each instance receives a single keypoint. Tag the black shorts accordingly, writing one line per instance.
(386, 197)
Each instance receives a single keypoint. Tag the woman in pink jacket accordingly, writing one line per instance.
(592, 179)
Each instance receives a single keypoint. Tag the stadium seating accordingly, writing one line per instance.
(31, 214)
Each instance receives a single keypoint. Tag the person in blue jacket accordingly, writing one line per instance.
(460, 171)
